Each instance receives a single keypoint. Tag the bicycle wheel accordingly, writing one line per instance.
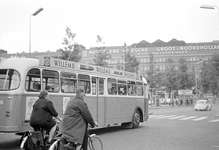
(95, 143)
(23, 141)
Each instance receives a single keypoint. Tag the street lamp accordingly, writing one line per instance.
(34, 14)
(197, 73)
(208, 7)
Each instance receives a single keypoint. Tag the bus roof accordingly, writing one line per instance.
(54, 62)
(22, 62)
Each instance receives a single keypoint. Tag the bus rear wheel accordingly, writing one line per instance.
(136, 119)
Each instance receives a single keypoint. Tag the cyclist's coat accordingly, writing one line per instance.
(75, 120)
(43, 111)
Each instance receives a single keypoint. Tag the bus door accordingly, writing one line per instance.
(98, 85)
(145, 102)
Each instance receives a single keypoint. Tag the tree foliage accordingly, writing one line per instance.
(171, 78)
(71, 50)
(185, 78)
(210, 75)
(154, 77)
(102, 55)
(131, 63)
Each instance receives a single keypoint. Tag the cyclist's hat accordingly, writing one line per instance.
(43, 94)
(79, 90)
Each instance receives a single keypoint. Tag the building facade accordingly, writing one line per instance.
(193, 53)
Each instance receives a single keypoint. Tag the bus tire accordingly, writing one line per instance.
(127, 125)
(136, 119)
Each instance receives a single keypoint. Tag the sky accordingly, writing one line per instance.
(116, 21)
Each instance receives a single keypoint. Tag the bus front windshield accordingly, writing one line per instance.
(9, 79)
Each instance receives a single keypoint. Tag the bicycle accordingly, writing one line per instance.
(94, 143)
(40, 137)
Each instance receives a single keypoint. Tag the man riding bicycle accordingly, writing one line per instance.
(43, 113)
(75, 121)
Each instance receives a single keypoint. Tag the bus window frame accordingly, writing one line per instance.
(112, 88)
(86, 89)
(73, 77)
(45, 83)
(94, 86)
(8, 80)
(142, 91)
(122, 84)
(35, 84)
(133, 89)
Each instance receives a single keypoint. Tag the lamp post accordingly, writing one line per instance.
(197, 73)
(34, 14)
(208, 7)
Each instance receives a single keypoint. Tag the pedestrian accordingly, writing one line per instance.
(75, 122)
(187, 102)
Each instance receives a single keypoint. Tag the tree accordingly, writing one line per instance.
(205, 77)
(102, 55)
(184, 77)
(171, 82)
(72, 50)
(210, 75)
(151, 76)
(131, 63)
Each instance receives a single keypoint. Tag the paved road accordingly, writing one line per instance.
(168, 128)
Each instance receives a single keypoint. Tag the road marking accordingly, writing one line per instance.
(187, 118)
(201, 118)
(215, 146)
(165, 117)
(155, 116)
(216, 120)
(177, 117)
(192, 118)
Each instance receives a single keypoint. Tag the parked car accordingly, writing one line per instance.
(162, 101)
(202, 105)
(167, 101)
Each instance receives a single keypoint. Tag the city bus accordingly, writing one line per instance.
(114, 97)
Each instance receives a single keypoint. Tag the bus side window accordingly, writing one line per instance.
(101, 86)
(32, 83)
(51, 80)
(131, 88)
(36, 86)
(68, 82)
(84, 82)
(122, 89)
(112, 86)
(139, 89)
(94, 84)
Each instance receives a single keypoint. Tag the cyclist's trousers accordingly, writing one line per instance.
(85, 141)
